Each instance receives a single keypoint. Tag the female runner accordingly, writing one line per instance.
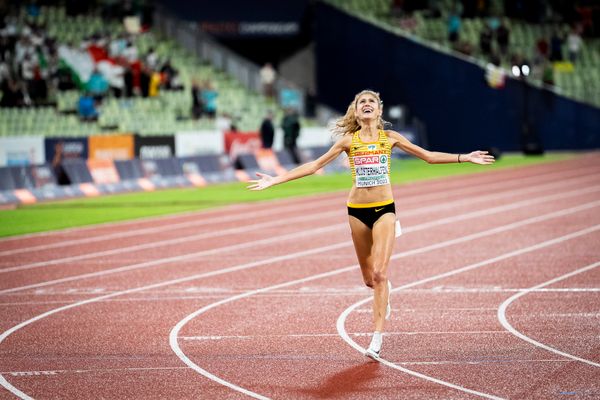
(371, 207)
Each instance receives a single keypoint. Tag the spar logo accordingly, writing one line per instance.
(383, 159)
(365, 160)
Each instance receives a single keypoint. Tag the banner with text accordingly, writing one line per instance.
(154, 147)
(195, 143)
(103, 170)
(67, 147)
(21, 150)
(111, 147)
(241, 143)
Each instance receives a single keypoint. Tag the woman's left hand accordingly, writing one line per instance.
(479, 157)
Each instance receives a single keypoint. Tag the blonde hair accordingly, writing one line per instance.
(348, 124)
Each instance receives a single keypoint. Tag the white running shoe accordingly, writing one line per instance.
(388, 309)
(372, 354)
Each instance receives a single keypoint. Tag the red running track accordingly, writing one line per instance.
(497, 295)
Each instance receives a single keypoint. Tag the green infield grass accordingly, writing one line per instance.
(78, 212)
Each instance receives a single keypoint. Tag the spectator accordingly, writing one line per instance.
(291, 131)
(59, 172)
(556, 46)
(485, 41)
(168, 72)
(267, 131)
(12, 94)
(209, 99)
(503, 38)
(542, 48)
(87, 108)
(574, 44)
(197, 107)
(152, 59)
(97, 85)
(130, 53)
(454, 24)
(145, 75)
(548, 73)
(268, 76)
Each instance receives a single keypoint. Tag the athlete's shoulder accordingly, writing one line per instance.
(344, 141)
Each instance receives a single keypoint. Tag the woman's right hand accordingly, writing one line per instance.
(264, 182)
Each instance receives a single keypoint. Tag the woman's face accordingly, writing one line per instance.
(367, 107)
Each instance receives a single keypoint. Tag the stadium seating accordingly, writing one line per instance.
(169, 112)
(581, 82)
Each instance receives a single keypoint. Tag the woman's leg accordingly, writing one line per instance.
(383, 245)
(362, 237)
(374, 249)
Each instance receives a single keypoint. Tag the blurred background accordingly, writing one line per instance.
(112, 96)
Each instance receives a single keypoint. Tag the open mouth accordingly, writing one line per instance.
(367, 110)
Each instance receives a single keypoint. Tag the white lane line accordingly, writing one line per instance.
(17, 327)
(242, 216)
(341, 322)
(175, 331)
(292, 256)
(174, 226)
(246, 228)
(509, 327)
(479, 213)
(22, 374)
(481, 362)
(333, 335)
(184, 257)
(177, 241)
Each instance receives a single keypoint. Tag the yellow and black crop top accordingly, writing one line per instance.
(370, 162)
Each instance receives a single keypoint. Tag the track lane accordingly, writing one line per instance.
(96, 232)
(117, 378)
(104, 263)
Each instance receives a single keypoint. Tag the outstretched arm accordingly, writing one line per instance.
(436, 157)
(303, 170)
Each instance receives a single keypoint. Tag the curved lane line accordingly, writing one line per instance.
(489, 232)
(509, 327)
(175, 331)
(341, 322)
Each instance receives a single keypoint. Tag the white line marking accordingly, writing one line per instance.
(342, 318)
(302, 204)
(183, 257)
(508, 326)
(478, 362)
(160, 229)
(23, 324)
(475, 214)
(287, 221)
(175, 331)
(179, 240)
(334, 335)
(83, 371)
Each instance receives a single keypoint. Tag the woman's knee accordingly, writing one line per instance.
(379, 277)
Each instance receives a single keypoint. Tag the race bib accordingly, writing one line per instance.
(371, 170)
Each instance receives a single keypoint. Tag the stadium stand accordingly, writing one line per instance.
(579, 80)
(167, 112)
(142, 138)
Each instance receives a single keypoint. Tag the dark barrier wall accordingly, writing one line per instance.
(26, 177)
(460, 111)
(237, 10)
